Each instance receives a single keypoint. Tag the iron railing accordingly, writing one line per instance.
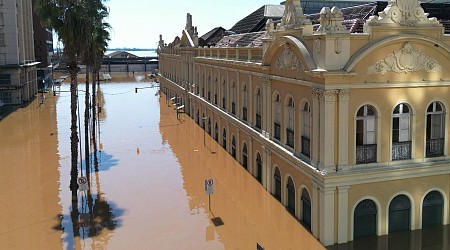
(277, 131)
(366, 153)
(401, 150)
(306, 150)
(435, 147)
(290, 137)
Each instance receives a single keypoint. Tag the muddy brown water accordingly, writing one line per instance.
(149, 192)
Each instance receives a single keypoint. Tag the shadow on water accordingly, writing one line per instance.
(106, 161)
(435, 237)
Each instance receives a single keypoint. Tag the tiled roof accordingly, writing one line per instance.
(212, 37)
(242, 40)
(256, 21)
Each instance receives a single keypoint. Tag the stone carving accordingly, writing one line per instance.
(344, 95)
(331, 21)
(317, 93)
(402, 12)
(288, 60)
(293, 15)
(330, 95)
(407, 59)
(266, 81)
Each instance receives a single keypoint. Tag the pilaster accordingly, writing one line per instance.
(315, 210)
(327, 216)
(342, 214)
(267, 104)
(329, 121)
(343, 129)
(315, 153)
(267, 181)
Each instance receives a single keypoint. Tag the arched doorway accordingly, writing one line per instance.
(259, 168)
(306, 209)
(277, 186)
(290, 188)
(365, 219)
(244, 156)
(399, 213)
(433, 207)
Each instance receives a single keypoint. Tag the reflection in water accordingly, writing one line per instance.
(250, 215)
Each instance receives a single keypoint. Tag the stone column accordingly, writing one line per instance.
(343, 129)
(327, 216)
(342, 214)
(315, 140)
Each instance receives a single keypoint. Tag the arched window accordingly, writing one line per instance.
(198, 116)
(233, 147)
(259, 171)
(216, 132)
(258, 101)
(306, 209)
(277, 182)
(224, 138)
(233, 98)
(209, 88)
(399, 213)
(277, 118)
(365, 219)
(203, 86)
(435, 130)
(209, 127)
(290, 123)
(244, 156)
(401, 132)
(366, 147)
(244, 103)
(433, 208)
(197, 85)
(216, 91)
(306, 130)
(224, 95)
(290, 188)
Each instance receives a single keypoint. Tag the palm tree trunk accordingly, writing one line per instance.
(73, 71)
(86, 122)
(94, 117)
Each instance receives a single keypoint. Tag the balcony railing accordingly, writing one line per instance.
(258, 121)
(290, 137)
(244, 113)
(366, 153)
(306, 150)
(401, 150)
(435, 147)
(233, 108)
(277, 131)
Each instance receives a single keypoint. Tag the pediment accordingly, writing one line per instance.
(288, 60)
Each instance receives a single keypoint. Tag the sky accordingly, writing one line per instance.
(138, 23)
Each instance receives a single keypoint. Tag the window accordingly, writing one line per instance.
(277, 181)
(244, 103)
(224, 95)
(216, 90)
(2, 59)
(277, 118)
(5, 97)
(233, 98)
(2, 40)
(366, 148)
(5, 79)
(290, 123)
(233, 147)
(306, 131)
(224, 139)
(259, 171)
(290, 205)
(244, 156)
(209, 89)
(401, 133)
(435, 130)
(216, 132)
(258, 109)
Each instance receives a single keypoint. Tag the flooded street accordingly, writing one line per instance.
(149, 192)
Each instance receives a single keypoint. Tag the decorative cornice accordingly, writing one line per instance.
(344, 95)
(288, 60)
(331, 95)
(404, 13)
(407, 59)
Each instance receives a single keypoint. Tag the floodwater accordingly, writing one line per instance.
(149, 192)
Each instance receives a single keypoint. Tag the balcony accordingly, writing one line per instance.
(435, 147)
(244, 113)
(306, 150)
(366, 153)
(290, 137)
(277, 131)
(233, 108)
(258, 121)
(401, 150)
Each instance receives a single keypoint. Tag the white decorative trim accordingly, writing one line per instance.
(403, 12)
(407, 59)
(288, 60)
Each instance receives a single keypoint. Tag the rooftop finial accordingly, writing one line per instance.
(293, 15)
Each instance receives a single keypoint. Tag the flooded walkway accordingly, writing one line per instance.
(149, 192)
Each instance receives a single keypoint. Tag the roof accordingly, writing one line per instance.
(120, 54)
(212, 37)
(242, 40)
(256, 21)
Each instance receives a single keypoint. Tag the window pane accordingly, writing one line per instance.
(405, 109)
(397, 109)
(360, 112)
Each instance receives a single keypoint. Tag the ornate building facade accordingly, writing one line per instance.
(348, 130)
